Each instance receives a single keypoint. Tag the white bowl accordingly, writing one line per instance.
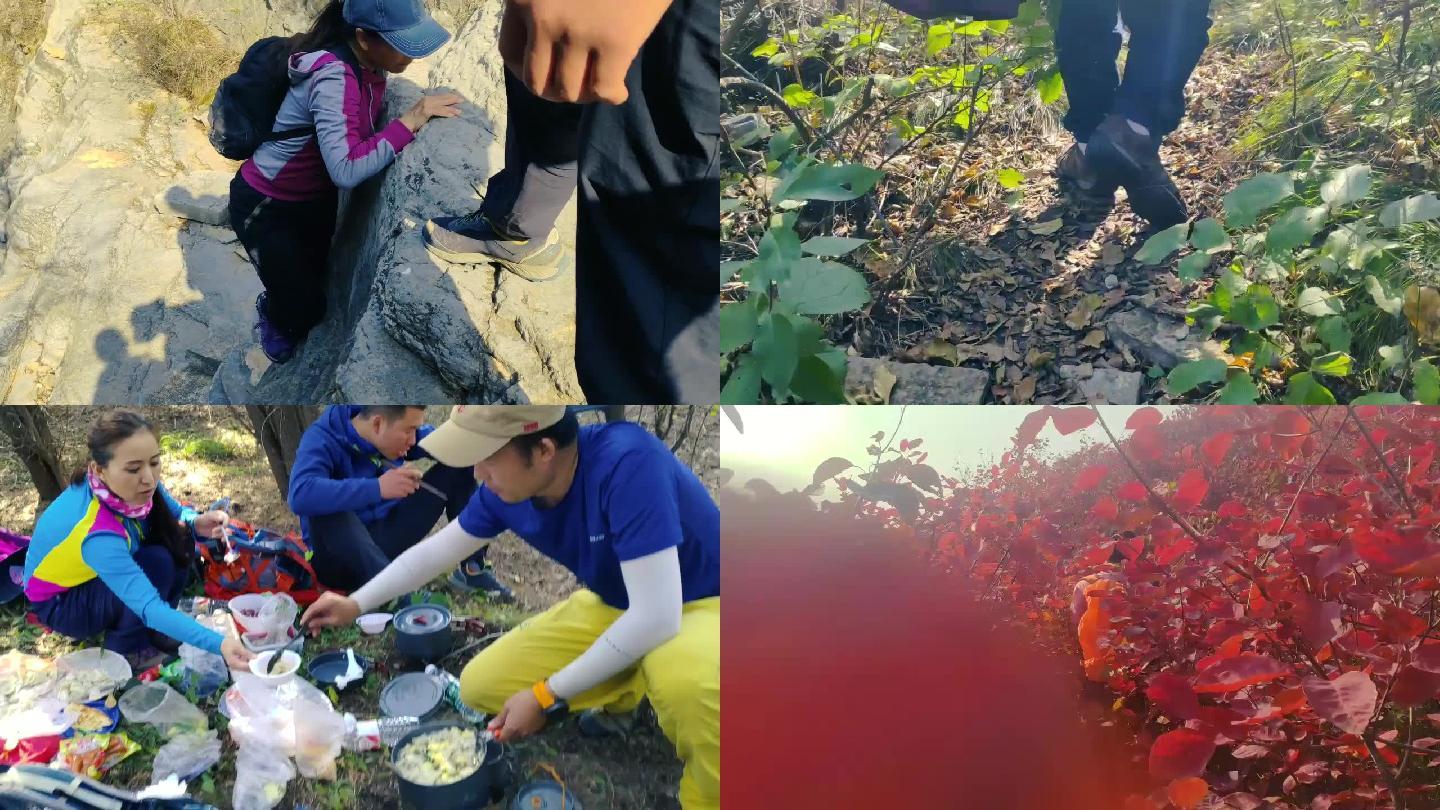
(374, 623)
(261, 662)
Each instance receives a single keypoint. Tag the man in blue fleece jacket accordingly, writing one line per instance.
(360, 506)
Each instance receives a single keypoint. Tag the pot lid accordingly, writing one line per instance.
(422, 619)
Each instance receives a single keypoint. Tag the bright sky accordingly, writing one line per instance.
(784, 444)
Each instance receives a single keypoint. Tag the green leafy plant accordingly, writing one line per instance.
(789, 272)
(1310, 293)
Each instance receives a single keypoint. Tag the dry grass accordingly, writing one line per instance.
(173, 49)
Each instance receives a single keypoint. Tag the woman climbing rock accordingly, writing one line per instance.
(283, 200)
(112, 554)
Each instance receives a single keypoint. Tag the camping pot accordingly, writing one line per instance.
(473, 791)
(422, 633)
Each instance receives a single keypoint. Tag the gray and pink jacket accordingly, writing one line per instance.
(348, 147)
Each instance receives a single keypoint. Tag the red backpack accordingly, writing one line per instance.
(259, 560)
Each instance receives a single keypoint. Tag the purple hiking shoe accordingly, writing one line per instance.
(276, 346)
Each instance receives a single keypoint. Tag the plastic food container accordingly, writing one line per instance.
(246, 607)
(289, 661)
(373, 624)
(111, 665)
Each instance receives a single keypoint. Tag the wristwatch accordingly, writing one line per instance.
(555, 708)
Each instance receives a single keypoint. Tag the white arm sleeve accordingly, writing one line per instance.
(653, 618)
(422, 563)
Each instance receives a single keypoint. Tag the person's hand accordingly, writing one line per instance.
(437, 106)
(211, 524)
(235, 654)
(330, 610)
(400, 482)
(565, 50)
(520, 717)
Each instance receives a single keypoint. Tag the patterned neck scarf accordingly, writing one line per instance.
(115, 502)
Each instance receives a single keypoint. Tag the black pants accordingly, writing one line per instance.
(1167, 38)
(289, 245)
(347, 552)
(648, 236)
(92, 608)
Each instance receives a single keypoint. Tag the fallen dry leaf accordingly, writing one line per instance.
(941, 350)
(1084, 310)
(1112, 254)
(1047, 227)
(884, 383)
(1024, 390)
(1095, 338)
(1422, 309)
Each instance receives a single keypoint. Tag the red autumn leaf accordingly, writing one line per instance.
(1347, 701)
(1319, 621)
(1318, 505)
(1174, 696)
(1398, 625)
(1427, 657)
(1217, 446)
(1106, 509)
(1414, 687)
(1166, 553)
(1230, 509)
(904, 445)
(1145, 417)
(1191, 490)
(1187, 793)
(1133, 491)
(1090, 477)
(1420, 460)
(1033, 423)
(1332, 560)
(1238, 671)
(1180, 753)
(1397, 550)
(1069, 420)
(916, 443)
(1149, 443)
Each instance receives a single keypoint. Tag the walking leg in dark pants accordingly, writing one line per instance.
(289, 245)
(515, 224)
(648, 237)
(1118, 124)
(92, 608)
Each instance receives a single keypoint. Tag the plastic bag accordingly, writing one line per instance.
(275, 620)
(159, 705)
(187, 756)
(261, 776)
(91, 674)
(319, 735)
(93, 755)
(201, 670)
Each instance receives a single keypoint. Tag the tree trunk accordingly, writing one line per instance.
(278, 429)
(29, 434)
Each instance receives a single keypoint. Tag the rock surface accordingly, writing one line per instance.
(202, 196)
(921, 384)
(106, 296)
(1113, 386)
(1157, 340)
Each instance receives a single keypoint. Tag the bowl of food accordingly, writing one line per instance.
(445, 766)
(374, 623)
(246, 609)
(284, 671)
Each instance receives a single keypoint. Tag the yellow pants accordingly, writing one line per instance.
(681, 678)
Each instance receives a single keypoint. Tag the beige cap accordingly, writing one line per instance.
(475, 432)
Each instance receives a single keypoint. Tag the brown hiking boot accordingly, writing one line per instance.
(1116, 150)
(1080, 180)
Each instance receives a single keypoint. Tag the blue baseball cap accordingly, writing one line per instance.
(405, 24)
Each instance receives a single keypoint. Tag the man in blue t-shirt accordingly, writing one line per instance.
(639, 530)
(361, 506)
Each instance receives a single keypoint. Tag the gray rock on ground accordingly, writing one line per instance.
(920, 383)
(1154, 338)
(1112, 386)
(202, 196)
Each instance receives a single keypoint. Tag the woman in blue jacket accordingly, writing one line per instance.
(112, 554)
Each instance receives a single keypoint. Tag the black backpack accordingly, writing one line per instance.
(247, 101)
